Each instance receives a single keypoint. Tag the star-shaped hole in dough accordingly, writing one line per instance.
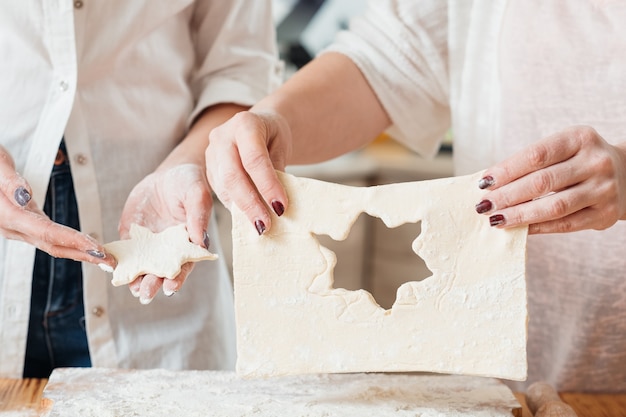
(161, 254)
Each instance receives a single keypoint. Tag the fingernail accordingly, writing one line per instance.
(278, 207)
(106, 268)
(22, 196)
(168, 292)
(486, 182)
(135, 293)
(497, 220)
(96, 253)
(145, 300)
(260, 227)
(484, 206)
(205, 239)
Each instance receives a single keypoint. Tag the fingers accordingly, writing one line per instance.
(146, 287)
(257, 163)
(61, 241)
(536, 185)
(564, 211)
(22, 220)
(198, 205)
(567, 182)
(150, 285)
(525, 200)
(236, 187)
(31, 225)
(135, 287)
(12, 185)
(165, 198)
(172, 286)
(241, 160)
(580, 220)
(542, 154)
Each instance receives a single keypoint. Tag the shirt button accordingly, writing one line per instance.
(78, 4)
(97, 311)
(81, 159)
(63, 85)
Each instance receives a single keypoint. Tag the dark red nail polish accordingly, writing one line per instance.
(497, 220)
(278, 207)
(484, 206)
(260, 227)
(486, 182)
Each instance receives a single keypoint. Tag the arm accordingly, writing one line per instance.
(330, 109)
(326, 109)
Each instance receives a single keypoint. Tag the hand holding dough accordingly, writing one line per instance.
(469, 317)
(161, 254)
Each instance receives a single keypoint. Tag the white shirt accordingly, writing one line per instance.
(503, 74)
(121, 80)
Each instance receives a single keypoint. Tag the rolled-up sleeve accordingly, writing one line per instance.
(236, 54)
(401, 48)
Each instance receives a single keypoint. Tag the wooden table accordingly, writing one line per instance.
(23, 397)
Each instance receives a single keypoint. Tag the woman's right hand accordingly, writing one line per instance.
(241, 160)
(569, 181)
(21, 219)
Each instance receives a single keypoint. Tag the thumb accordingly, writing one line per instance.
(12, 184)
(198, 217)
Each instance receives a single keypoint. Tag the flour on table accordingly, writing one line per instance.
(93, 392)
(469, 317)
(161, 254)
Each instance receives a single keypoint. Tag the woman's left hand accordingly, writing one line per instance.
(569, 181)
(165, 198)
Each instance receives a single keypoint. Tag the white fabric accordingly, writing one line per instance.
(502, 75)
(121, 80)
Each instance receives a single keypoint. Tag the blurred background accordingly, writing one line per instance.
(305, 27)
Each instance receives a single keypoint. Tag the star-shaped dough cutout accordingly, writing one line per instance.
(161, 254)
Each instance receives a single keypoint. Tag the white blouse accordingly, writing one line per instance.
(121, 80)
(503, 74)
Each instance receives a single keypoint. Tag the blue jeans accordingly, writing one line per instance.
(56, 331)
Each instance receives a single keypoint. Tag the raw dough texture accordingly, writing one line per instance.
(161, 254)
(93, 392)
(469, 317)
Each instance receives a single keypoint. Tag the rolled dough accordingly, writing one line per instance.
(469, 317)
(92, 392)
(161, 254)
